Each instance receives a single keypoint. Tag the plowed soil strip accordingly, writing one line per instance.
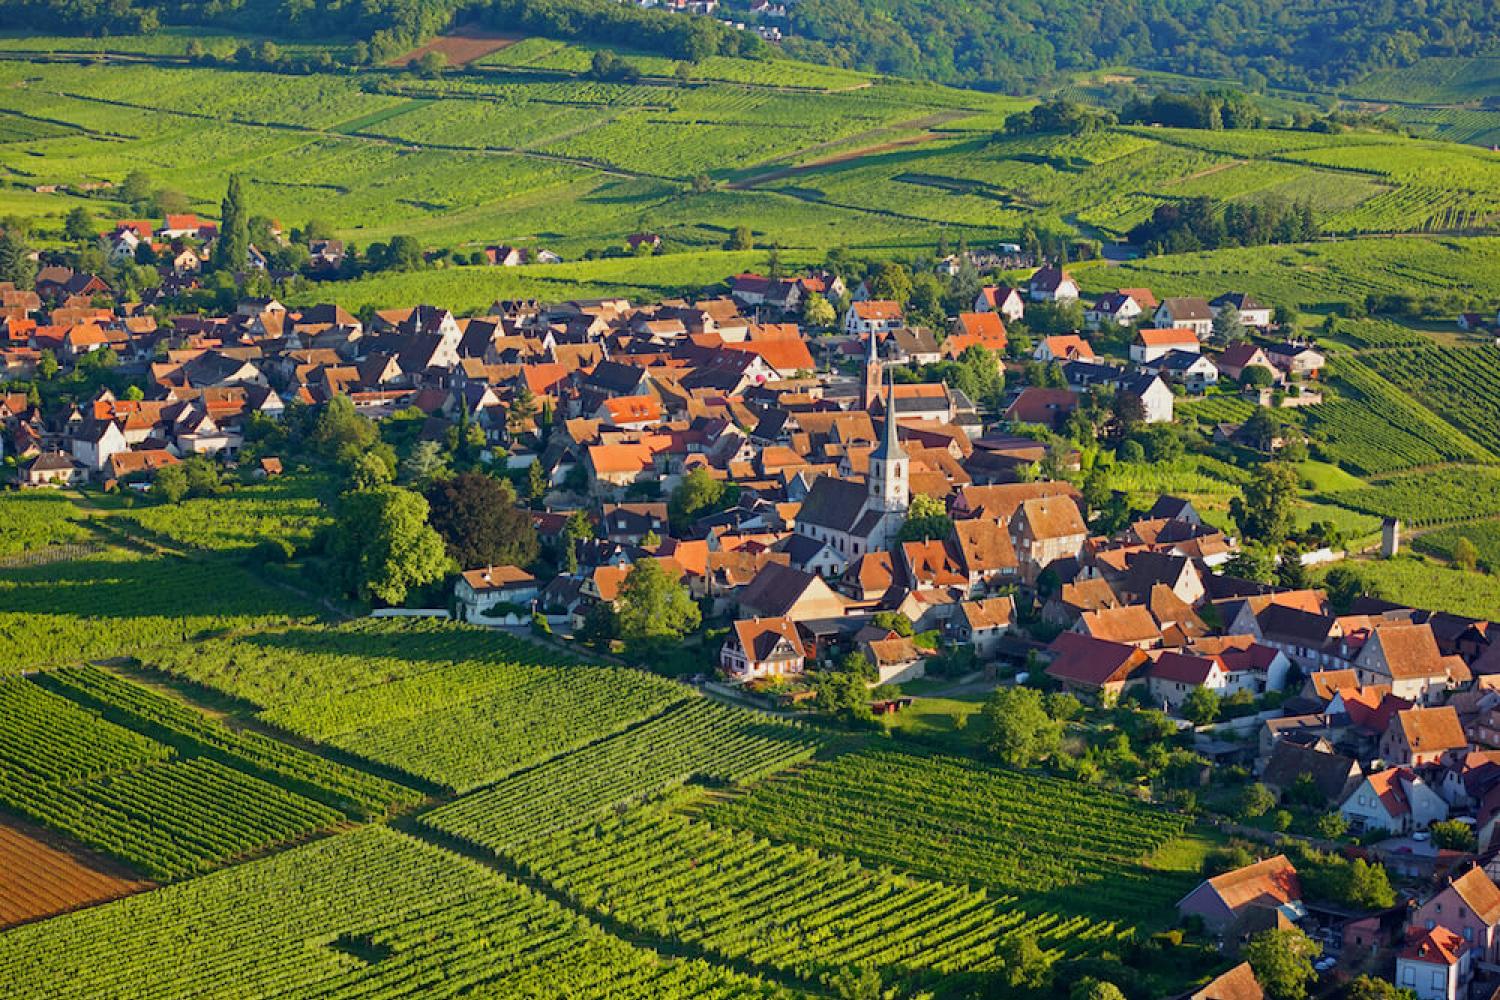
(40, 877)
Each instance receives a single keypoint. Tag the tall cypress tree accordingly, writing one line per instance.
(233, 248)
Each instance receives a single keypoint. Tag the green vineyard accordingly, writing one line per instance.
(147, 802)
(700, 739)
(31, 521)
(954, 819)
(1457, 383)
(1423, 498)
(453, 705)
(368, 914)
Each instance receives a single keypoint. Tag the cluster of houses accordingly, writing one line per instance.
(1391, 714)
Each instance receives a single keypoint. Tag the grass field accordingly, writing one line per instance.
(1422, 583)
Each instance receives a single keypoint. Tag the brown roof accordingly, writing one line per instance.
(1092, 662)
(1131, 624)
(994, 612)
(1089, 595)
(1427, 730)
(1239, 983)
(1326, 683)
(758, 637)
(984, 545)
(1482, 895)
(1272, 882)
(1053, 517)
(496, 577)
(1410, 650)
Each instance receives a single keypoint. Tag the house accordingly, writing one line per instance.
(1224, 900)
(1238, 357)
(1063, 347)
(1239, 983)
(1187, 368)
(1095, 668)
(1296, 360)
(632, 522)
(896, 659)
(1190, 313)
(782, 592)
(1131, 625)
(1252, 312)
(1155, 396)
(873, 316)
(1151, 343)
(1048, 407)
(762, 647)
(1468, 905)
(1112, 309)
(1001, 299)
(480, 590)
(93, 445)
(1396, 800)
(1044, 531)
(1419, 736)
(1052, 284)
(982, 624)
(1407, 657)
(1434, 964)
(1311, 773)
(53, 468)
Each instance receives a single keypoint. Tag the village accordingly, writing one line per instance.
(860, 509)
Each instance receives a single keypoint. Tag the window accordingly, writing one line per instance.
(1439, 980)
(1431, 924)
(1408, 976)
(1468, 933)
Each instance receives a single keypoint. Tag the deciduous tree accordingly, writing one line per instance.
(384, 545)
(479, 522)
(655, 606)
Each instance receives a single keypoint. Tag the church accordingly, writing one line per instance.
(854, 518)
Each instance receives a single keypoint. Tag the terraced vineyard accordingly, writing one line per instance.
(1378, 428)
(1457, 383)
(1423, 498)
(1483, 535)
(453, 705)
(372, 914)
(152, 805)
(698, 739)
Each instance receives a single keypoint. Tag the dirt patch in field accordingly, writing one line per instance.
(460, 48)
(41, 875)
(779, 173)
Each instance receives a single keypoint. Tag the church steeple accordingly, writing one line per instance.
(890, 469)
(872, 374)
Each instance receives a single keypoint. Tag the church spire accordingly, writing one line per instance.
(890, 444)
(872, 374)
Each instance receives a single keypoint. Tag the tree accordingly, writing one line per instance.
(233, 247)
(1283, 962)
(432, 63)
(601, 626)
(1264, 511)
(1257, 377)
(1332, 826)
(170, 484)
(16, 265)
(843, 694)
(1021, 732)
(740, 239)
(892, 621)
(521, 413)
(817, 312)
(1089, 988)
(1465, 555)
(1452, 835)
(1025, 965)
(403, 253)
(1256, 800)
(925, 303)
(655, 606)
(1251, 562)
(424, 464)
(1228, 327)
(1201, 706)
(78, 225)
(202, 476)
(1371, 988)
(536, 481)
(926, 518)
(340, 432)
(368, 471)
(384, 545)
(698, 493)
(575, 529)
(893, 281)
(477, 517)
(1344, 586)
(136, 188)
